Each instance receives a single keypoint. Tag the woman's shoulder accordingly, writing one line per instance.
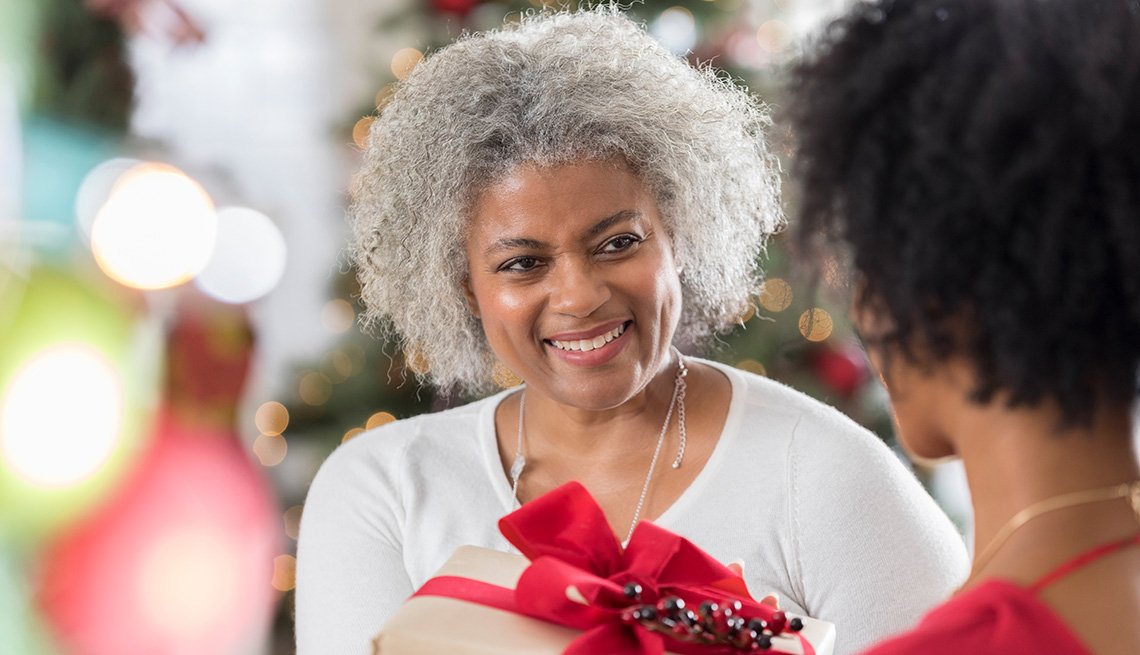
(994, 617)
(389, 449)
(775, 405)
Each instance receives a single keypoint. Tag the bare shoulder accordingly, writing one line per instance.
(1101, 602)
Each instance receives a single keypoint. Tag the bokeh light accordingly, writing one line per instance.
(78, 376)
(752, 366)
(61, 416)
(271, 418)
(816, 324)
(775, 295)
(337, 316)
(676, 29)
(96, 188)
(350, 434)
(378, 419)
(404, 61)
(772, 36)
(745, 314)
(156, 230)
(270, 451)
(284, 572)
(315, 388)
(292, 521)
(248, 258)
(337, 365)
(360, 132)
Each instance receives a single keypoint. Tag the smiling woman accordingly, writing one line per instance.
(566, 200)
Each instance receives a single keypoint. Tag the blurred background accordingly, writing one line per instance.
(179, 348)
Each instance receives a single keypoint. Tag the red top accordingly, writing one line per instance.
(998, 616)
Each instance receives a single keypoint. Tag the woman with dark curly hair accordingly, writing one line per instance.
(561, 200)
(980, 161)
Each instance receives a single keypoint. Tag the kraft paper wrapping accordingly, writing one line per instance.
(432, 624)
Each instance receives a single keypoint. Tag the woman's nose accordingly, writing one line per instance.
(577, 289)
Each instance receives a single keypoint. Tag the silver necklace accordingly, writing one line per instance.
(678, 401)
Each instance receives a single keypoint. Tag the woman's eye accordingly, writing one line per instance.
(620, 243)
(520, 264)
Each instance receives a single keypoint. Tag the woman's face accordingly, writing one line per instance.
(918, 396)
(571, 272)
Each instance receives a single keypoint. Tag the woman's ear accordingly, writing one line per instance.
(472, 303)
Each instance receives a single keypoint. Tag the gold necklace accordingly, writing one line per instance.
(1072, 499)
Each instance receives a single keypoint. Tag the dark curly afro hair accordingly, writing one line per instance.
(979, 160)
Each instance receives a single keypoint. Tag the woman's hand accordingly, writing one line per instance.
(771, 600)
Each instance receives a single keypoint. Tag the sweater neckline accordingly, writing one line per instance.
(724, 444)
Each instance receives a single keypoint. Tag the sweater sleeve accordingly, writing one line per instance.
(874, 550)
(350, 569)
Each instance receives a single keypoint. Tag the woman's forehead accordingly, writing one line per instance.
(584, 196)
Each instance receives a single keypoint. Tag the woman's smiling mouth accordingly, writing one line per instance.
(586, 345)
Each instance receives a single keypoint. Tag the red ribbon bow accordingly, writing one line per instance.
(574, 552)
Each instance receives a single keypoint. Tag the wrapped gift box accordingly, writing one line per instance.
(436, 624)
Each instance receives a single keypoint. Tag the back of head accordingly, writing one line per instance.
(981, 158)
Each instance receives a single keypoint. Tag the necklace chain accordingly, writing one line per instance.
(678, 401)
(1052, 504)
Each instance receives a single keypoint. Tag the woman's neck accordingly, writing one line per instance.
(1015, 458)
(607, 433)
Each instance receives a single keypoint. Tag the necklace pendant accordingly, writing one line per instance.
(517, 468)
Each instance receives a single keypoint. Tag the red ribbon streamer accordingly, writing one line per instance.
(566, 537)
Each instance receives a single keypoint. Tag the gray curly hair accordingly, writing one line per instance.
(554, 88)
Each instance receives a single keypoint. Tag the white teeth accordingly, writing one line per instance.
(586, 345)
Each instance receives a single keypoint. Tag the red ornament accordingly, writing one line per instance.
(179, 561)
(842, 370)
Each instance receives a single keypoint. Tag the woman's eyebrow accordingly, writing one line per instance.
(628, 215)
(513, 243)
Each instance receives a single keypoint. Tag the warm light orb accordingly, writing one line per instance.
(96, 188)
(360, 132)
(61, 416)
(284, 572)
(156, 230)
(271, 418)
(315, 388)
(351, 434)
(378, 419)
(816, 324)
(752, 366)
(248, 259)
(292, 521)
(404, 61)
(270, 451)
(775, 295)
